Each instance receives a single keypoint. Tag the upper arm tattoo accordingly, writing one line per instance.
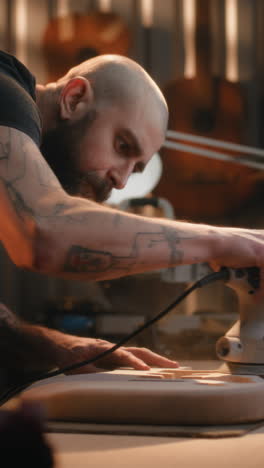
(18, 173)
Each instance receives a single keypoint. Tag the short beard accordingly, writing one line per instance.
(61, 149)
(93, 187)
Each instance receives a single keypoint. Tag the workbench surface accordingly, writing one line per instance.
(113, 451)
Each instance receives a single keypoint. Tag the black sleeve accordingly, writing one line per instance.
(18, 109)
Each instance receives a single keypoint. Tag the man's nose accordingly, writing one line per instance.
(120, 176)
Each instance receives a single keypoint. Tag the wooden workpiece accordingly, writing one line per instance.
(158, 397)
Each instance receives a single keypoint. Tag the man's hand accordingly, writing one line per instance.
(238, 248)
(27, 349)
(77, 349)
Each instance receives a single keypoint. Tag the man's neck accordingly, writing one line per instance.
(47, 102)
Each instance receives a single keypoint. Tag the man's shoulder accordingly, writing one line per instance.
(18, 101)
(12, 67)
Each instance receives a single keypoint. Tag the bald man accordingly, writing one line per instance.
(63, 147)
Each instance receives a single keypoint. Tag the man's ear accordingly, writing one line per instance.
(75, 98)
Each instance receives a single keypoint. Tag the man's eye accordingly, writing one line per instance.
(123, 146)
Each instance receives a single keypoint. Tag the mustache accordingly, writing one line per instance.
(93, 187)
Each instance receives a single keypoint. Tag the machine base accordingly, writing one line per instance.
(240, 368)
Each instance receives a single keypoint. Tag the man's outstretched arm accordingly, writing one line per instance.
(46, 230)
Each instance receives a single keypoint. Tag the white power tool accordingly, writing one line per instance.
(242, 347)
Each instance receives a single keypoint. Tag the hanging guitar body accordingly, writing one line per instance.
(71, 39)
(198, 187)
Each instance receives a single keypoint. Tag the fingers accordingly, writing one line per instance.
(151, 358)
(136, 358)
(123, 358)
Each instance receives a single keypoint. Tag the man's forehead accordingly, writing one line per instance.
(145, 141)
(148, 113)
(150, 136)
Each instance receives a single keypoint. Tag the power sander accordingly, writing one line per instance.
(242, 347)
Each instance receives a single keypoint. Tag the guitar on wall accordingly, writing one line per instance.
(72, 38)
(201, 188)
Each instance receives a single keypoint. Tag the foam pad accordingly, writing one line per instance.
(160, 396)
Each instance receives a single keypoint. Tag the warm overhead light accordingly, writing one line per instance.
(231, 26)
(147, 12)
(63, 8)
(65, 25)
(104, 5)
(21, 29)
(189, 37)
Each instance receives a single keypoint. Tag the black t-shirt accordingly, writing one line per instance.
(18, 107)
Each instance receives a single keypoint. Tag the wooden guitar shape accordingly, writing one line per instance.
(198, 187)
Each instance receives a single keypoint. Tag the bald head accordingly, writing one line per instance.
(119, 80)
(109, 117)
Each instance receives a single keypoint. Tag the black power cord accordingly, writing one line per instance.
(223, 274)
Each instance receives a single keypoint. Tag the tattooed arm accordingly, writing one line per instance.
(46, 230)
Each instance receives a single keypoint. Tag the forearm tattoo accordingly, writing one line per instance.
(80, 258)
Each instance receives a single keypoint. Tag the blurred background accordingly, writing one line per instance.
(206, 55)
